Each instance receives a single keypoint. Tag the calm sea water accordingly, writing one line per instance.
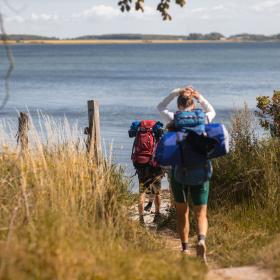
(129, 80)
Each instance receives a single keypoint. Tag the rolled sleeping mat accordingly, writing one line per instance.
(133, 129)
(167, 151)
(218, 132)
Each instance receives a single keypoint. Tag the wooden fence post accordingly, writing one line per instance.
(93, 130)
(22, 135)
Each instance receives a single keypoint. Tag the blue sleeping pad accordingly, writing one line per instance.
(218, 132)
(168, 151)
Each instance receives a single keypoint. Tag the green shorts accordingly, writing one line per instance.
(199, 193)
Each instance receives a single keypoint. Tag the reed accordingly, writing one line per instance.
(245, 196)
(251, 172)
(62, 216)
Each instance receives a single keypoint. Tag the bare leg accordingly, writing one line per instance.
(183, 225)
(171, 193)
(141, 203)
(202, 227)
(157, 203)
(150, 202)
(201, 218)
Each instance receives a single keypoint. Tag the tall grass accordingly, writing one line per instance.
(251, 172)
(245, 195)
(62, 216)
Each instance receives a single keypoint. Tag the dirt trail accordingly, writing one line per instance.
(215, 273)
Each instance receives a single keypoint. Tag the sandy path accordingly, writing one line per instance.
(173, 242)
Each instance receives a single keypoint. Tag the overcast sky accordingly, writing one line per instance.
(69, 18)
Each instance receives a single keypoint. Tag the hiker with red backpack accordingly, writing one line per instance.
(191, 170)
(147, 134)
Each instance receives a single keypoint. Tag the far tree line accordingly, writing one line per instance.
(192, 36)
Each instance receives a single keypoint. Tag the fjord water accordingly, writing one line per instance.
(129, 81)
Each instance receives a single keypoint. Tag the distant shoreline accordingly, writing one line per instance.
(124, 42)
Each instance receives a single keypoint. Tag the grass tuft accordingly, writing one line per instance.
(64, 217)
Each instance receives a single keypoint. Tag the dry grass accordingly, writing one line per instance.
(270, 256)
(251, 172)
(64, 217)
(245, 196)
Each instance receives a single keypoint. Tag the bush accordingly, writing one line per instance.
(245, 196)
(251, 172)
(269, 113)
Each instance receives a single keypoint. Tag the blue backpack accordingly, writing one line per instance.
(195, 168)
(190, 121)
(190, 166)
(168, 152)
(196, 152)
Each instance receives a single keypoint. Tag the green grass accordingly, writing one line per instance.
(237, 236)
(245, 197)
(64, 217)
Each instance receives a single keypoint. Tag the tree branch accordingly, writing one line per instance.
(163, 6)
(4, 39)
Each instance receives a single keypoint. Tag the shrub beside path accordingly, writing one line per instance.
(215, 273)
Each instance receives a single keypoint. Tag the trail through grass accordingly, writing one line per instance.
(64, 217)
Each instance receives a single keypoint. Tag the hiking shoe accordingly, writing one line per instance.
(141, 220)
(148, 206)
(157, 218)
(201, 250)
(186, 252)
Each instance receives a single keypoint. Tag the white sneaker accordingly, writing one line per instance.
(201, 250)
(186, 252)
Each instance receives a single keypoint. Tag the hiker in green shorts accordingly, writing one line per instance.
(186, 98)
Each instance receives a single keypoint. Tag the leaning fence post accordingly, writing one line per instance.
(22, 135)
(93, 130)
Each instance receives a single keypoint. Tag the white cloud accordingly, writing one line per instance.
(197, 10)
(206, 13)
(205, 17)
(149, 11)
(43, 17)
(109, 12)
(17, 19)
(33, 17)
(268, 4)
(218, 8)
(99, 11)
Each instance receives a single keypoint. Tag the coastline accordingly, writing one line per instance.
(121, 42)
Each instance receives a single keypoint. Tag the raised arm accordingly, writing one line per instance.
(162, 106)
(206, 106)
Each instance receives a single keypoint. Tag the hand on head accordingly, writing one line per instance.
(189, 92)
